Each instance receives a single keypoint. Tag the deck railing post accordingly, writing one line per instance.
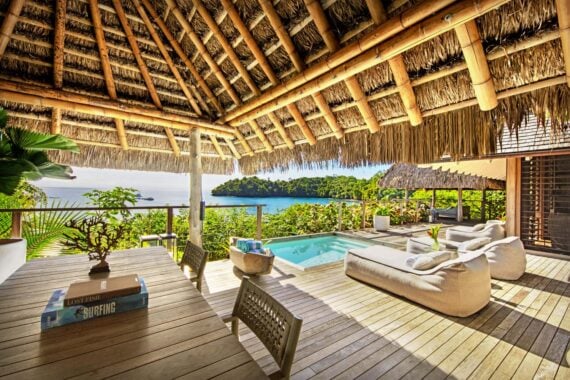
(363, 222)
(16, 225)
(259, 220)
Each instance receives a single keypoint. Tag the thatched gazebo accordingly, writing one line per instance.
(275, 84)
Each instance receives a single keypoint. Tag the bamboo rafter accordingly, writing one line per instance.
(243, 142)
(563, 13)
(106, 66)
(405, 89)
(180, 51)
(232, 148)
(55, 128)
(383, 32)
(470, 42)
(10, 20)
(197, 42)
(58, 43)
(217, 147)
(424, 31)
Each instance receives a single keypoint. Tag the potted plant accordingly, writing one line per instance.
(382, 218)
(96, 237)
(23, 156)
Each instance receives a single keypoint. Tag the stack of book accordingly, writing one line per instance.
(93, 299)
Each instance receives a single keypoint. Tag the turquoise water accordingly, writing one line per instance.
(161, 197)
(313, 251)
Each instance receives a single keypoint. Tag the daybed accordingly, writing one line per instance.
(251, 263)
(451, 212)
(494, 230)
(458, 287)
(507, 257)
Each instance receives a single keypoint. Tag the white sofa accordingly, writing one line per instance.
(507, 257)
(494, 230)
(458, 287)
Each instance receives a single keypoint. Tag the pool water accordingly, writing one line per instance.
(310, 252)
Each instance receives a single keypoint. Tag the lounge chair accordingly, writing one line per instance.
(451, 212)
(457, 287)
(494, 230)
(251, 263)
(507, 257)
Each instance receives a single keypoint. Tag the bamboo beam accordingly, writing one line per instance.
(302, 123)
(328, 114)
(320, 19)
(58, 43)
(259, 132)
(362, 103)
(243, 142)
(10, 20)
(105, 64)
(203, 51)
(232, 148)
(434, 26)
(185, 59)
(563, 12)
(377, 11)
(46, 97)
(170, 63)
(474, 55)
(390, 28)
(282, 34)
(172, 141)
(281, 129)
(287, 42)
(217, 147)
(404, 86)
(55, 121)
(136, 52)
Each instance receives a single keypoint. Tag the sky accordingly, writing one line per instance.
(107, 178)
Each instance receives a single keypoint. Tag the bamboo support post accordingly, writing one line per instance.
(232, 148)
(197, 42)
(431, 27)
(180, 51)
(16, 232)
(383, 32)
(217, 147)
(405, 89)
(55, 128)
(10, 20)
(460, 205)
(46, 97)
(484, 206)
(474, 55)
(259, 220)
(58, 43)
(195, 224)
(563, 12)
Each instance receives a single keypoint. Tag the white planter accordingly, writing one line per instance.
(12, 256)
(381, 223)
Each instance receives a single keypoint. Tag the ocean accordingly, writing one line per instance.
(74, 195)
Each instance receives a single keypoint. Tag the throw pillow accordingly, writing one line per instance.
(429, 260)
(473, 244)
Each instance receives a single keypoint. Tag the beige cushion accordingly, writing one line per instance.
(495, 231)
(507, 258)
(428, 260)
(458, 287)
(473, 244)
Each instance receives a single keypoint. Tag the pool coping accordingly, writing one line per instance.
(310, 236)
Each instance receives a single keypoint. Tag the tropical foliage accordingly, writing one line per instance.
(23, 156)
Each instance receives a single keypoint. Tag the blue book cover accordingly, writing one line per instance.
(55, 314)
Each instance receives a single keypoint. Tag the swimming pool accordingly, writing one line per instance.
(314, 251)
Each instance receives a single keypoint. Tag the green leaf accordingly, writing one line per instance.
(13, 167)
(8, 185)
(3, 118)
(28, 140)
(57, 171)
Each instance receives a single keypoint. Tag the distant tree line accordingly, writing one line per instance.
(339, 187)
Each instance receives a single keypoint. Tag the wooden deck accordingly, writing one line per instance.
(352, 330)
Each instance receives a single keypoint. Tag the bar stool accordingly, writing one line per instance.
(169, 241)
(151, 240)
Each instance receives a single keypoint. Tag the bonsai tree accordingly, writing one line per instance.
(23, 156)
(96, 237)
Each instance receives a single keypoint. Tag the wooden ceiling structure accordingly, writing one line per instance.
(274, 83)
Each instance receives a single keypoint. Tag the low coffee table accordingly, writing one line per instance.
(423, 245)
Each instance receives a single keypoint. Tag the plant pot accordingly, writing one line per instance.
(12, 256)
(381, 223)
(101, 267)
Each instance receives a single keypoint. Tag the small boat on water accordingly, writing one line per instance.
(139, 197)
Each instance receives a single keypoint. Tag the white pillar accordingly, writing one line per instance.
(195, 233)
(460, 205)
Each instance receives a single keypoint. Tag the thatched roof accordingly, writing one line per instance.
(243, 72)
(407, 176)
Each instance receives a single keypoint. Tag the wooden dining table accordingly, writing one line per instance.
(178, 335)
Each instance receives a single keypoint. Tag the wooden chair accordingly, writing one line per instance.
(275, 326)
(195, 258)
